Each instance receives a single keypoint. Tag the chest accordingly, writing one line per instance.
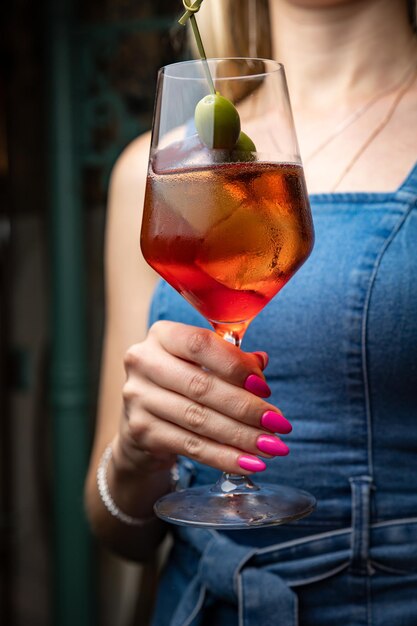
(374, 153)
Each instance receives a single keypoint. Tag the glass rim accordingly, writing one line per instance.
(277, 67)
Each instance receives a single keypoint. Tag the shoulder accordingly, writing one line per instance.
(131, 166)
(125, 266)
(125, 203)
(127, 187)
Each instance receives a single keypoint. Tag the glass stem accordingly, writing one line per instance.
(233, 484)
(232, 337)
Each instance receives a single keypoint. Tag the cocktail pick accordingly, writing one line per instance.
(216, 118)
(189, 14)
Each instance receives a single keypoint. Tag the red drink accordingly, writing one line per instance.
(229, 236)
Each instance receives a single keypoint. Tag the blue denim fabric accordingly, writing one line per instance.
(342, 340)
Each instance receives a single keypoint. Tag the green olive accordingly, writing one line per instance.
(244, 143)
(217, 122)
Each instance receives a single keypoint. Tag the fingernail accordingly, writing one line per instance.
(263, 358)
(272, 445)
(251, 463)
(276, 422)
(256, 385)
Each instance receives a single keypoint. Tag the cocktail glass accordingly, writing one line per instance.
(227, 227)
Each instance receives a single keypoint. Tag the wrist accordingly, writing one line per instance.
(129, 462)
(134, 481)
(106, 496)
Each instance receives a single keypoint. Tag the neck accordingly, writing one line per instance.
(341, 55)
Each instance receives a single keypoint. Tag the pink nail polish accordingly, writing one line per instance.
(263, 358)
(256, 385)
(251, 463)
(272, 445)
(276, 422)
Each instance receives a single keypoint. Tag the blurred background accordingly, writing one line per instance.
(77, 85)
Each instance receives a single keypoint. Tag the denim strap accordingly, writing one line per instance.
(225, 572)
(262, 582)
(361, 516)
(409, 186)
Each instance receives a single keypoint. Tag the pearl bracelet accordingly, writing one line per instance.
(106, 498)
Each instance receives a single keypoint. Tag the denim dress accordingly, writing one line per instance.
(342, 341)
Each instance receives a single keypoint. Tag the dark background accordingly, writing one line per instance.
(77, 83)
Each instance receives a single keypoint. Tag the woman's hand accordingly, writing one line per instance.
(189, 392)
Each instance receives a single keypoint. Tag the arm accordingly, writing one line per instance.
(129, 285)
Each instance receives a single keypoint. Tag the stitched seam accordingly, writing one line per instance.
(239, 599)
(368, 407)
(408, 196)
(353, 538)
(392, 570)
(197, 607)
(361, 487)
(358, 530)
(334, 533)
(365, 502)
(311, 538)
(240, 565)
(314, 579)
(395, 522)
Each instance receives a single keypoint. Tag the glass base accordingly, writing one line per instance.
(235, 503)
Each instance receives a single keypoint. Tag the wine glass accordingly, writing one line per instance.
(227, 223)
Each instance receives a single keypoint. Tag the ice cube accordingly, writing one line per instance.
(177, 154)
(237, 251)
(202, 197)
(250, 248)
(190, 152)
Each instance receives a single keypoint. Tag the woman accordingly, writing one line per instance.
(341, 361)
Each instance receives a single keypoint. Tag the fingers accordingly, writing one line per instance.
(262, 358)
(206, 349)
(199, 419)
(164, 422)
(157, 439)
(189, 392)
(166, 372)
